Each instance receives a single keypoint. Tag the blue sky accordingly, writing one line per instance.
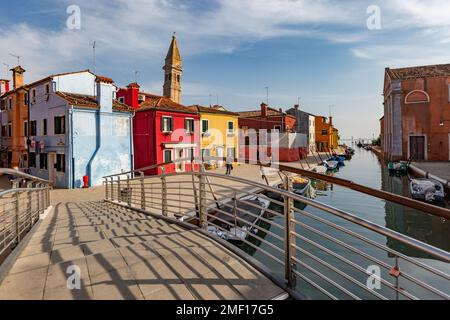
(318, 50)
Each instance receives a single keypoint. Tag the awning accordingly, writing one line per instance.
(177, 145)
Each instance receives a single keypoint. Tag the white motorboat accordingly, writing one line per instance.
(320, 169)
(245, 224)
(428, 190)
(331, 165)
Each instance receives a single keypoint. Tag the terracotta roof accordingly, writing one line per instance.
(213, 109)
(271, 112)
(104, 79)
(439, 70)
(162, 103)
(87, 101)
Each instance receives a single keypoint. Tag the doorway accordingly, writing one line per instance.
(51, 166)
(179, 166)
(220, 154)
(417, 148)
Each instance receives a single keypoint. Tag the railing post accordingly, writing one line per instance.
(142, 191)
(106, 189)
(164, 192)
(128, 190)
(119, 194)
(202, 200)
(112, 188)
(17, 196)
(289, 240)
(47, 192)
(29, 199)
(38, 194)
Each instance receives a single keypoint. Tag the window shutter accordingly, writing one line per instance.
(171, 124)
(162, 124)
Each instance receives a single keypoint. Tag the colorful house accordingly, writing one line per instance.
(292, 146)
(78, 129)
(219, 133)
(324, 134)
(14, 122)
(417, 113)
(306, 124)
(165, 131)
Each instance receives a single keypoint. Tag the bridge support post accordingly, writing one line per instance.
(202, 209)
(119, 193)
(17, 212)
(164, 192)
(142, 191)
(129, 192)
(289, 239)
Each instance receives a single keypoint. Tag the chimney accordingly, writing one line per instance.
(17, 76)
(133, 95)
(331, 121)
(105, 90)
(264, 109)
(296, 107)
(4, 86)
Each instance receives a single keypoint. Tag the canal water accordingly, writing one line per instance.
(365, 168)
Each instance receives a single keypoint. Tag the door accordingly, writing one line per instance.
(417, 148)
(179, 154)
(220, 154)
(52, 166)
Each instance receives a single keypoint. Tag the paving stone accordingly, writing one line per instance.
(32, 262)
(27, 285)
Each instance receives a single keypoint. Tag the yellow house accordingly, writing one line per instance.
(219, 133)
(335, 139)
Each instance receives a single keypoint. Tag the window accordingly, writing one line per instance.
(2, 104)
(33, 94)
(61, 163)
(189, 125)
(231, 153)
(206, 153)
(25, 128)
(60, 125)
(178, 78)
(230, 128)
(33, 128)
(167, 156)
(44, 127)
(141, 98)
(25, 98)
(43, 161)
(4, 131)
(122, 99)
(32, 160)
(47, 88)
(324, 132)
(190, 153)
(205, 126)
(9, 103)
(10, 129)
(166, 124)
(277, 128)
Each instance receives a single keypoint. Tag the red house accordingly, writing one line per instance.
(292, 145)
(164, 131)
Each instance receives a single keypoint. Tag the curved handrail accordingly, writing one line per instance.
(23, 175)
(436, 252)
(387, 196)
(15, 190)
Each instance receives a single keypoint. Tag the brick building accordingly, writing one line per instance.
(417, 113)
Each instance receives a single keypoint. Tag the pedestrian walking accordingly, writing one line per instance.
(229, 164)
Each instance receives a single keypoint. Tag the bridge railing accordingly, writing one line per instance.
(322, 252)
(20, 207)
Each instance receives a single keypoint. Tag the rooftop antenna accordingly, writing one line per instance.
(7, 69)
(329, 107)
(17, 57)
(217, 99)
(135, 76)
(210, 99)
(93, 54)
(267, 95)
(298, 101)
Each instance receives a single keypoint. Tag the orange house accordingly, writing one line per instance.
(324, 133)
(14, 130)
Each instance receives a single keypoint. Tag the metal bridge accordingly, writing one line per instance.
(164, 237)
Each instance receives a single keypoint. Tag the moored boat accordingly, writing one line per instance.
(427, 190)
(236, 229)
(397, 168)
(331, 165)
(300, 186)
(320, 169)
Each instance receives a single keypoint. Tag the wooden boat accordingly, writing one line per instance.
(300, 186)
(256, 205)
(427, 190)
(340, 160)
(331, 165)
(320, 169)
(397, 168)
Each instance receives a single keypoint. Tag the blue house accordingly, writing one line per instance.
(78, 128)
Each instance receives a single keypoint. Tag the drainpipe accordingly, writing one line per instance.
(28, 131)
(71, 171)
(131, 143)
(98, 144)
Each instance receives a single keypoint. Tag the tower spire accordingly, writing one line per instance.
(173, 71)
